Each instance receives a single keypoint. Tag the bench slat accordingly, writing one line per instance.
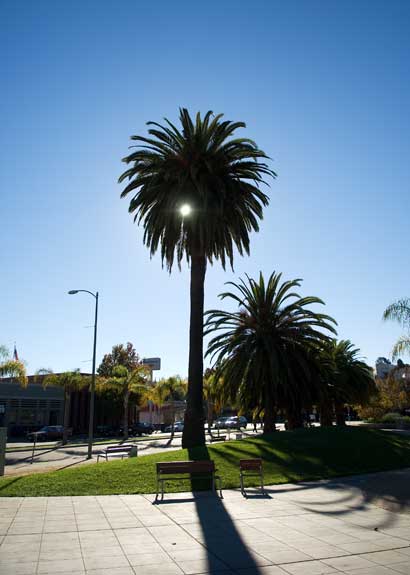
(250, 464)
(168, 467)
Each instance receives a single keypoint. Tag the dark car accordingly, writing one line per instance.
(141, 428)
(49, 432)
(236, 422)
(106, 431)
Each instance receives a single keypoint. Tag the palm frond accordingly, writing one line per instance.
(398, 311)
(401, 346)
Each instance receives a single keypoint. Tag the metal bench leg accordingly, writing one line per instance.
(262, 484)
(156, 496)
(220, 487)
(242, 485)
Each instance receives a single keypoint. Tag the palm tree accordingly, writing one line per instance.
(70, 381)
(400, 311)
(349, 380)
(127, 383)
(12, 367)
(168, 391)
(213, 393)
(201, 169)
(265, 349)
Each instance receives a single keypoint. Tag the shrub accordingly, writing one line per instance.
(391, 418)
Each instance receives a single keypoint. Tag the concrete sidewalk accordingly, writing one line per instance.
(356, 526)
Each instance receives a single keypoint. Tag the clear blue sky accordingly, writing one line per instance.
(324, 88)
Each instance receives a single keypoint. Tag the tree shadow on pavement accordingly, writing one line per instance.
(220, 536)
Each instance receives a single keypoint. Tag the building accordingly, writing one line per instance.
(399, 371)
(30, 407)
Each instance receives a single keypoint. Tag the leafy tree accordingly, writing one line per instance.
(347, 379)
(121, 354)
(169, 391)
(10, 367)
(201, 166)
(391, 394)
(399, 311)
(128, 383)
(265, 349)
(70, 381)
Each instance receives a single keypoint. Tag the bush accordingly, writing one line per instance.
(405, 422)
(396, 420)
(391, 418)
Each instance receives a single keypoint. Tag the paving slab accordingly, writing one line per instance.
(318, 528)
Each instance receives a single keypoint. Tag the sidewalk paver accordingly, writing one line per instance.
(316, 528)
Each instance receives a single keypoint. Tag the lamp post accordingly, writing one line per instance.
(91, 417)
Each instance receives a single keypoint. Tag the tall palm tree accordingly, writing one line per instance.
(201, 168)
(400, 311)
(169, 391)
(10, 367)
(70, 381)
(349, 380)
(265, 349)
(127, 383)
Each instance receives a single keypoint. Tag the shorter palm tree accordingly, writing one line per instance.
(11, 367)
(265, 349)
(348, 379)
(169, 391)
(70, 381)
(128, 383)
(399, 311)
(213, 389)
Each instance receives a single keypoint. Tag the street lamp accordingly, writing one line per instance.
(91, 418)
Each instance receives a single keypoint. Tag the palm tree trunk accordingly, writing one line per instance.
(294, 416)
(193, 433)
(210, 413)
(340, 413)
(269, 412)
(67, 399)
(125, 420)
(326, 414)
(172, 422)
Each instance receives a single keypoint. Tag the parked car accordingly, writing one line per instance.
(49, 432)
(141, 428)
(178, 426)
(105, 431)
(220, 422)
(236, 422)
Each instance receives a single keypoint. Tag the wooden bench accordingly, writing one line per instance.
(250, 468)
(120, 449)
(176, 470)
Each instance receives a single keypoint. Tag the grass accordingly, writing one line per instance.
(288, 457)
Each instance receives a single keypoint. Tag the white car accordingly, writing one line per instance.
(178, 426)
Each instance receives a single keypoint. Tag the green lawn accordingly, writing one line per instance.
(288, 457)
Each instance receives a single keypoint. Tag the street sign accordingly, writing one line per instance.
(153, 362)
